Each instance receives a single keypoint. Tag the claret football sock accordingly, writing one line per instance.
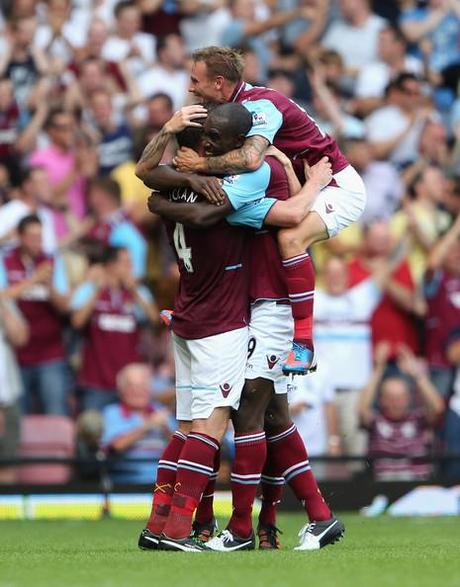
(164, 485)
(195, 465)
(250, 456)
(205, 510)
(300, 278)
(287, 452)
(272, 485)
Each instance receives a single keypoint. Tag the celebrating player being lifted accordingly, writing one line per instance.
(217, 77)
(270, 313)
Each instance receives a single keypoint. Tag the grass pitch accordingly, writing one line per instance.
(382, 552)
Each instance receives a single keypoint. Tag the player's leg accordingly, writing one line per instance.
(167, 465)
(218, 364)
(289, 459)
(334, 209)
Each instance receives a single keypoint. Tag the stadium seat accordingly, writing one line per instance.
(46, 436)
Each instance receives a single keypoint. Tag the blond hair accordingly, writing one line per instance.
(223, 61)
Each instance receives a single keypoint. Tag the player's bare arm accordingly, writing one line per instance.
(154, 151)
(290, 213)
(198, 215)
(293, 180)
(248, 158)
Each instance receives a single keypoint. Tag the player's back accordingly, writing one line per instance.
(297, 133)
(213, 287)
(267, 280)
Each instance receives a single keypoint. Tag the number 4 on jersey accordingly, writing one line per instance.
(183, 252)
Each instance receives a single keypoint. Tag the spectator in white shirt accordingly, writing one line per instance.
(392, 60)
(355, 35)
(169, 75)
(32, 198)
(381, 179)
(394, 130)
(129, 42)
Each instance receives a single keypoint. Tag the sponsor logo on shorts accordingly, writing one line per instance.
(226, 388)
(272, 360)
(329, 208)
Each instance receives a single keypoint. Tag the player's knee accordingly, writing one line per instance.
(276, 420)
(290, 242)
(250, 414)
(184, 427)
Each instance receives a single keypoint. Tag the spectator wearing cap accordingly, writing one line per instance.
(13, 334)
(442, 291)
(135, 427)
(109, 309)
(38, 283)
(408, 409)
(111, 225)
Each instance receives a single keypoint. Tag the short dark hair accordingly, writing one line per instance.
(396, 31)
(27, 221)
(59, 111)
(27, 172)
(236, 117)
(404, 77)
(162, 96)
(190, 137)
(110, 254)
(107, 185)
(122, 6)
(222, 61)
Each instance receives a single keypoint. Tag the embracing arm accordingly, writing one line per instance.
(248, 158)
(198, 215)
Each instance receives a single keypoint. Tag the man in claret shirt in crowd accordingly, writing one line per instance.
(38, 284)
(109, 308)
(217, 77)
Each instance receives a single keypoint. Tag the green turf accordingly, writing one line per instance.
(375, 553)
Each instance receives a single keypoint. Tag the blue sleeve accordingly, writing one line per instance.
(60, 282)
(266, 119)
(252, 214)
(81, 295)
(114, 424)
(147, 296)
(431, 283)
(126, 235)
(247, 187)
(3, 276)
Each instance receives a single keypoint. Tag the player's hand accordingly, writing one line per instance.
(279, 155)
(153, 203)
(409, 364)
(186, 116)
(382, 353)
(321, 172)
(187, 160)
(209, 187)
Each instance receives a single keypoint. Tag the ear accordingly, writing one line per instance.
(219, 82)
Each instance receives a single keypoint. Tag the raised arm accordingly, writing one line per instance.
(442, 247)
(198, 215)
(369, 392)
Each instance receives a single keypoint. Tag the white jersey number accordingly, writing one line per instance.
(183, 252)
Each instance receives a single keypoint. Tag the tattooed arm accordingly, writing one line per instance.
(154, 151)
(248, 158)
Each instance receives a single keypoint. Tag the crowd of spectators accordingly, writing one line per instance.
(84, 267)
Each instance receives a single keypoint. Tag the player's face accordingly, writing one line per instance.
(206, 88)
(216, 141)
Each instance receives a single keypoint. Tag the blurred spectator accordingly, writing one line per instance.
(355, 34)
(135, 427)
(392, 61)
(401, 424)
(169, 74)
(13, 333)
(111, 226)
(38, 283)
(129, 42)
(393, 320)
(22, 63)
(381, 179)
(313, 411)
(452, 420)
(438, 23)
(32, 196)
(113, 134)
(442, 291)
(394, 130)
(421, 220)
(108, 309)
(68, 163)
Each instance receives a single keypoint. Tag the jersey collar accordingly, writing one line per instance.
(237, 91)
